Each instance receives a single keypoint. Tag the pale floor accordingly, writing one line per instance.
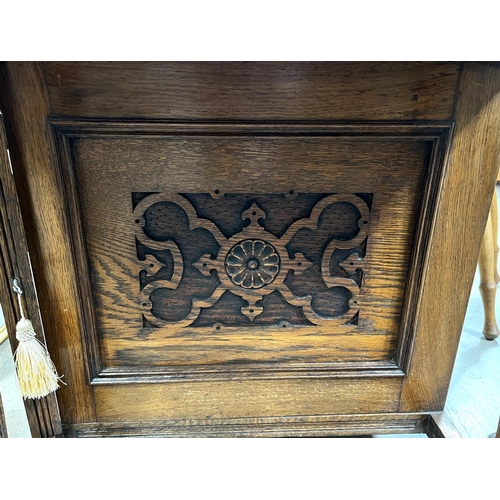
(15, 416)
(473, 402)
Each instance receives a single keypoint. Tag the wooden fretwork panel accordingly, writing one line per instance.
(225, 253)
(216, 260)
(85, 154)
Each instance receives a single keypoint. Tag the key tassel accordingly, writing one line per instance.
(36, 372)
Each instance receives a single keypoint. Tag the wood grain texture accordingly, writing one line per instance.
(441, 426)
(494, 223)
(252, 90)
(25, 107)
(304, 426)
(488, 284)
(240, 128)
(245, 399)
(43, 415)
(431, 197)
(108, 170)
(466, 195)
(36, 418)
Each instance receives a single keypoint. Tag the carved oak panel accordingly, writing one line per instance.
(215, 259)
(257, 255)
(136, 317)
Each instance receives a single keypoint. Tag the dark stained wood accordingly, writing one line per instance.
(253, 91)
(91, 128)
(105, 198)
(465, 198)
(245, 398)
(85, 306)
(421, 246)
(107, 135)
(248, 371)
(43, 415)
(25, 108)
(311, 426)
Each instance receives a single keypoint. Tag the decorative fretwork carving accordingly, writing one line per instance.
(270, 265)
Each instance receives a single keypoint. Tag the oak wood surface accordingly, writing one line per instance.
(304, 426)
(253, 91)
(440, 425)
(466, 195)
(494, 223)
(15, 262)
(487, 272)
(102, 119)
(105, 184)
(243, 398)
(25, 108)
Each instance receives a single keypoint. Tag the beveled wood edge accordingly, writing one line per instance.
(276, 371)
(86, 311)
(433, 425)
(43, 415)
(434, 178)
(75, 128)
(439, 425)
(465, 200)
(65, 129)
(304, 426)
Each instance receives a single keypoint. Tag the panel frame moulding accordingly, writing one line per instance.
(439, 133)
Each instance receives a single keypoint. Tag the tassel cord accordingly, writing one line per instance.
(37, 374)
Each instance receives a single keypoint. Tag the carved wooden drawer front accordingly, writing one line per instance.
(248, 263)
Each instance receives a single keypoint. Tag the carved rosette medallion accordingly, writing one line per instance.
(252, 264)
(283, 260)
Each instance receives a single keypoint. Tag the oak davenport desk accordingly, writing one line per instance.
(248, 249)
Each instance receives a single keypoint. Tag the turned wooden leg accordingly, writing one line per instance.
(488, 283)
(494, 222)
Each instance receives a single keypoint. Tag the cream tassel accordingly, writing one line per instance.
(36, 372)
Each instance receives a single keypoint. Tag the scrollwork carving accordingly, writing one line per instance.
(151, 265)
(254, 261)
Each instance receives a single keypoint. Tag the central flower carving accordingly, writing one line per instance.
(252, 263)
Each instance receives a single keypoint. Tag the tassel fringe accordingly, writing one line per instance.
(36, 372)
